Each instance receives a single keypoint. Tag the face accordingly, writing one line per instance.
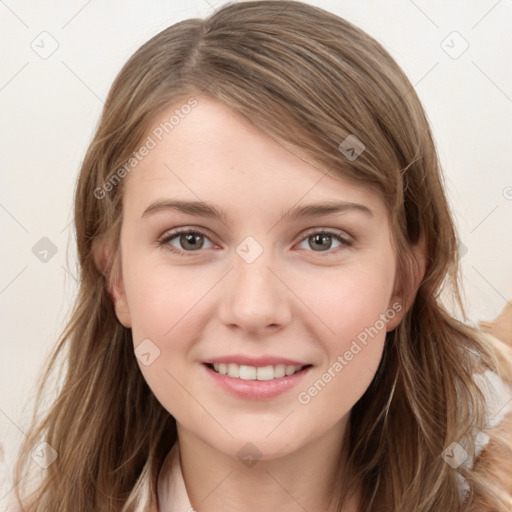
(275, 281)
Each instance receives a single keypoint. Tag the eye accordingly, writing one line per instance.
(186, 240)
(321, 240)
(189, 240)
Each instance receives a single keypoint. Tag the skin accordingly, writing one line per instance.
(292, 301)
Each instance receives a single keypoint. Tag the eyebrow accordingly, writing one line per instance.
(203, 209)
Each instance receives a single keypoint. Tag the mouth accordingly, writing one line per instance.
(256, 373)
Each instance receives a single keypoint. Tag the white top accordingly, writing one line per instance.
(498, 396)
(172, 493)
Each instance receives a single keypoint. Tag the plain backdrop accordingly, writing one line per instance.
(58, 60)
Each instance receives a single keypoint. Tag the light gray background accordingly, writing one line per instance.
(50, 106)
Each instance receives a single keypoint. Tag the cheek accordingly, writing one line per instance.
(354, 310)
(350, 300)
(164, 304)
(342, 312)
(162, 299)
(339, 385)
(167, 306)
(357, 310)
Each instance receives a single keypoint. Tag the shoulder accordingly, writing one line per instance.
(492, 459)
(498, 397)
(495, 462)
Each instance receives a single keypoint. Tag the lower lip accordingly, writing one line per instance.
(257, 389)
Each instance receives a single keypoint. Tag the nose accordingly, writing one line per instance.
(254, 297)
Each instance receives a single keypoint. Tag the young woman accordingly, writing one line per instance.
(263, 235)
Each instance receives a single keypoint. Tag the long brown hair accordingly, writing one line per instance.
(309, 79)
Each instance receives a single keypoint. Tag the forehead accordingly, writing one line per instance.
(211, 152)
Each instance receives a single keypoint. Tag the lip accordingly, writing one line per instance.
(255, 361)
(256, 389)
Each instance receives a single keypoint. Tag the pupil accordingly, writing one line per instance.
(187, 241)
(322, 240)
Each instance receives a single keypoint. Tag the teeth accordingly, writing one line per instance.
(233, 370)
(255, 373)
(248, 372)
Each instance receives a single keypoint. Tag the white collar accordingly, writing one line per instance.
(172, 493)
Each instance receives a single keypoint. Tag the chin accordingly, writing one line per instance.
(255, 447)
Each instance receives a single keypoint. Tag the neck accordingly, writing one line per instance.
(305, 479)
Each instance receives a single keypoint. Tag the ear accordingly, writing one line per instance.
(118, 295)
(407, 286)
(110, 266)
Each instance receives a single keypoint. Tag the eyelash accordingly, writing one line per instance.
(164, 242)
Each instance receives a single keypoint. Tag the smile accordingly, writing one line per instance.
(256, 382)
(246, 372)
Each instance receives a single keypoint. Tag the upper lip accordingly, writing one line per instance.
(255, 361)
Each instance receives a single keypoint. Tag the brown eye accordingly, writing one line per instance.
(191, 241)
(185, 241)
(322, 241)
